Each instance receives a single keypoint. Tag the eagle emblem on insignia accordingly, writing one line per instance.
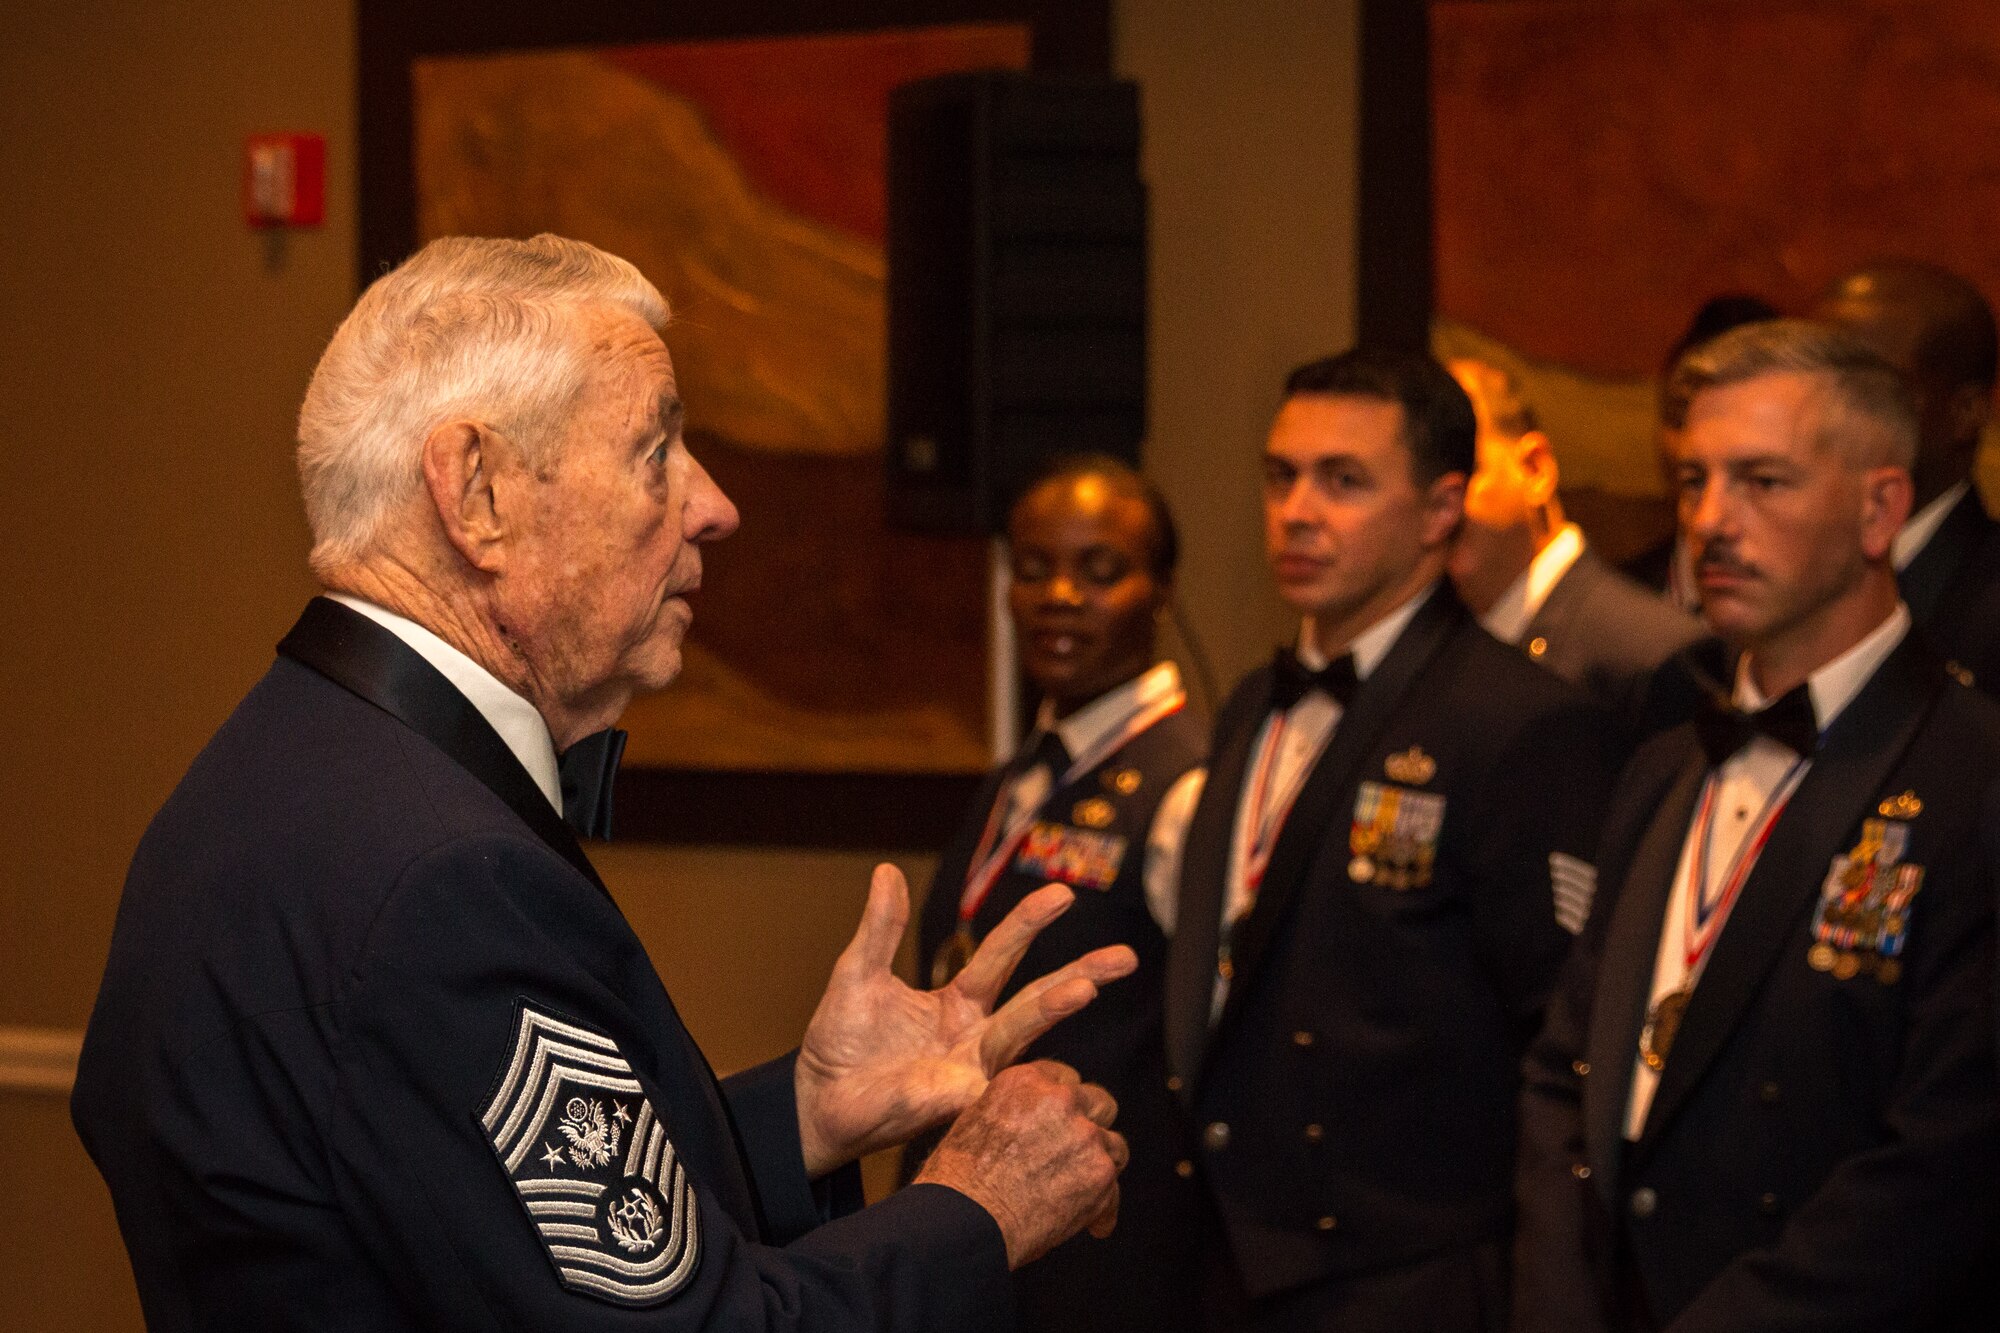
(591, 1163)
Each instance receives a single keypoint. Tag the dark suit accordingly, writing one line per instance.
(1953, 588)
(375, 1049)
(1820, 1153)
(1356, 1099)
(1144, 1276)
(1600, 630)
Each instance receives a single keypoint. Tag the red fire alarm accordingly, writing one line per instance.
(284, 180)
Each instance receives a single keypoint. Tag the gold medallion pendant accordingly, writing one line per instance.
(952, 956)
(1663, 1024)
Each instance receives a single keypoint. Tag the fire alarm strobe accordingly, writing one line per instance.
(284, 180)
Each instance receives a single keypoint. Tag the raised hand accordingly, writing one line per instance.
(882, 1061)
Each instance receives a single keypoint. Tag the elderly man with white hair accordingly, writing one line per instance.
(375, 1049)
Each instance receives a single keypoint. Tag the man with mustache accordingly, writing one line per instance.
(1378, 884)
(1937, 329)
(1091, 554)
(1765, 1097)
(375, 1048)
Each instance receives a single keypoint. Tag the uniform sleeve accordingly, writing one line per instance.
(1537, 851)
(1895, 1232)
(763, 1101)
(489, 1175)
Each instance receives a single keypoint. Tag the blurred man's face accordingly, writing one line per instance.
(1082, 591)
(1507, 491)
(1780, 520)
(594, 598)
(1345, 521)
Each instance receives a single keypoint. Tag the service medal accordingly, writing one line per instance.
(1361, 869)
(1663, 1024)
(952, 956)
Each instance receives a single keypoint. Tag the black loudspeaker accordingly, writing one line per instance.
(1017, 288)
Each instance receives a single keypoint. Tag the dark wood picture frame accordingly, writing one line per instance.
(899, 812)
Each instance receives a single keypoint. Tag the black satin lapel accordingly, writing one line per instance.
(1924, 581)
(1327, 789)
(361, 656)
(1625, 967)
(1190, 977)
(1855, 758)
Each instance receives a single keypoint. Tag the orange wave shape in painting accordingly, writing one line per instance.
(778, 321)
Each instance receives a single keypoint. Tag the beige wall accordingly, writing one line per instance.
(152, 351)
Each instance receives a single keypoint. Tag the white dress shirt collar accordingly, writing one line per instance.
(1916, 534)
(1834, 685)
(1371, 645)
(519, 723)
(1110, 711)
(1508, 619)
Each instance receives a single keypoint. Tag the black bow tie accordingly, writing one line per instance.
(1789, 721)
(587, 769)
(1293, 680)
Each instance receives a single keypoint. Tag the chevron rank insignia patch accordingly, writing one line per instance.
(1575, 885)
(592, 1164)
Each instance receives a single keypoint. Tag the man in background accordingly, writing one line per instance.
(1766, 1096)
(1388, 860)
(1938, 329)
(1091, 554)
(1530, 576)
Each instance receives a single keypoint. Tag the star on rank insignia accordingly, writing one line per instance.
(592, 1164)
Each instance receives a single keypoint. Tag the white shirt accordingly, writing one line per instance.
(519, 722)
(1508, 619)
(1746, 781)
(1916, 534)
(1085, 730)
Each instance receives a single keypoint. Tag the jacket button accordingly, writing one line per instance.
(1581, 1068)
(1173, 1083)
(1328, 1223)
(1580, 1171)
(1644, 1201)
(1769, 1092)
(1216, 1137)
(1302, 1038)
(1537, 646)
(1184, 1168)
(1314, 1133)
(1768, 1205)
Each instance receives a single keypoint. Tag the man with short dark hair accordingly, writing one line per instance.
(1377, 886)
(1532, 578)
(375, 1048)
(1766, 1096)
(1938, 329)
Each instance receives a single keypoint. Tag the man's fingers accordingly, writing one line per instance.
(1000, 952)
(1098, 1105)
(880, 934)
(1106, 1222)
(1043, 1003)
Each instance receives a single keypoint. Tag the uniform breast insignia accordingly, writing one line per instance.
(1094, 812)
(1075, 856)
(591, 1163)
(1411, 767)
(1394, 835)
(1906, 806)
(1862, 919)
(1124, 781)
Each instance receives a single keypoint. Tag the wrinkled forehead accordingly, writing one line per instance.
(1783, 414)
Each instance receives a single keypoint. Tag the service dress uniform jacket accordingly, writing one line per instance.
(1355, 1099)
(1602, 631)
(1952, 586)
(1091, 833)
(1821, 1148)
(376, 1050)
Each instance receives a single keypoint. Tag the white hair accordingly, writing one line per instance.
(468, 327)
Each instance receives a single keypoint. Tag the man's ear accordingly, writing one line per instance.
(1444, 509)
(1886, 496)
(459, 462)
(1537, 460)
(1968, 409)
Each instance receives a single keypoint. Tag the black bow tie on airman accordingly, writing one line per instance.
(588, 769)
(1292, 679)
(1725, 729)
